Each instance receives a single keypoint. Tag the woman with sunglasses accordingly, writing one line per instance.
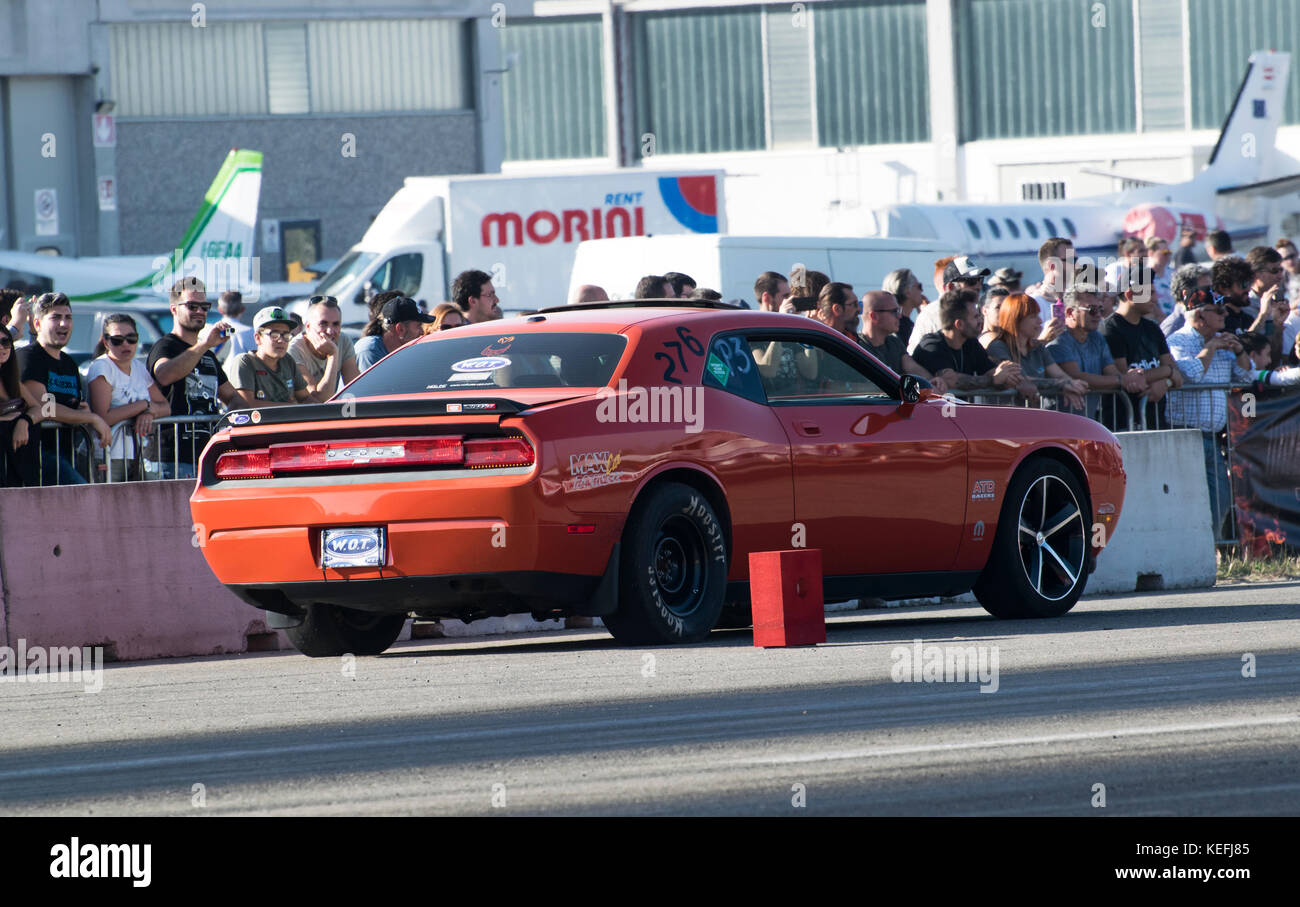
(445, 317)
(20, 419)
(121, 388)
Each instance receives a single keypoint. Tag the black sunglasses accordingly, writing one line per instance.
(119, 339)
(198, 306)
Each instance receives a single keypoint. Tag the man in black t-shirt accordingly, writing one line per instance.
(189, 376)
(957, 348)
(1138, 346)
(51, 376)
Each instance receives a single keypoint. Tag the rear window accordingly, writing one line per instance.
(485, 362)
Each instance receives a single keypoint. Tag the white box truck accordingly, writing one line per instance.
(731, 264)
(521, 230)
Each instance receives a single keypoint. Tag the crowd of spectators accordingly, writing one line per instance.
(1134, 343)
(1079, 338)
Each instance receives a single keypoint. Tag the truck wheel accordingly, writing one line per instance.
(1039, 563)
(328, 630)
(673, 574)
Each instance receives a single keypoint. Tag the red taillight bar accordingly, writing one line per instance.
(370, 452)
(502, 452)
(267, 462)
(245, 464)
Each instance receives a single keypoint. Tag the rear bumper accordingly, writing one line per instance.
(463, 595)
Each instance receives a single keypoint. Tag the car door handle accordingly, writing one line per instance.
(811, 429)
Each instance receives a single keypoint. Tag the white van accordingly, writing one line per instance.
(521, 230)
(731, 264)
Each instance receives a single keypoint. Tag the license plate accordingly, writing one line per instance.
(352, 547)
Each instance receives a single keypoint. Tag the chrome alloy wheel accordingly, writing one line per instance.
(1053, 538)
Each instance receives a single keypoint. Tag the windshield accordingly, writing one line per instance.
(347, 270)
(485, 362)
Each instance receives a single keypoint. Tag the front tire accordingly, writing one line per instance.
(673, 574)
(328, 630)
(1039, 563)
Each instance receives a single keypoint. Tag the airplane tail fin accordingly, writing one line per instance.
(1246, 140)
(218, 244)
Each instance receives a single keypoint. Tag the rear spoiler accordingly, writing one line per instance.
(380, 409)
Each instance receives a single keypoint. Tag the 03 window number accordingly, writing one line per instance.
(732, 351)
(692, 345)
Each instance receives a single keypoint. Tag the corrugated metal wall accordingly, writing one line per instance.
(391, 64)
(873, 84)
(1223, 34)
(364, 66)
(1045, 67)
(552, 95)
(674, 55)
(1160, 31)
(175, 70)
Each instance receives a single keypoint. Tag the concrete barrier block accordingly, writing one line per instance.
(1164, 539)
(116, 565)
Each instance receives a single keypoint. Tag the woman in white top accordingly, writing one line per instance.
(121, 388)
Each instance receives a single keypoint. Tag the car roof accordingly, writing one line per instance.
(616, 319)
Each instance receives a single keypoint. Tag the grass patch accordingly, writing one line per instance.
(1234, 567)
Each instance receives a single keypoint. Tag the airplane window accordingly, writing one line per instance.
(1029, 226)
(974, 229)
(1051, 227)
(1069, 227)
(1012, 228)
(993, 228)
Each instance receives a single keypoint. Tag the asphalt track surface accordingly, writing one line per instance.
(1143, 694)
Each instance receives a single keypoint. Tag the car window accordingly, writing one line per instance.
(487, 362)
(805, 368)
(731, 365)
(401, 272)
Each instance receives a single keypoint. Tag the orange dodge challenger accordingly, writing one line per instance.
(622, 460)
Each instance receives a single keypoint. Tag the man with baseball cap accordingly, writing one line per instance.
(398, 323)
(958, 274)
(267, 376)
(1207, 353)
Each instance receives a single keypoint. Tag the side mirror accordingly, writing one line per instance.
(911, 387)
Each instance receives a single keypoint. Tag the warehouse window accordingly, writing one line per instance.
(873, 80)
(552, 88)
(1223, 35)
(673, 55)
(286, 68)
(1059, 75)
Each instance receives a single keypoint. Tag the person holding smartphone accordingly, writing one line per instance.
(189, 375)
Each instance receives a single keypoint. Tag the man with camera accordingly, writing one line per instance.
(189, 375)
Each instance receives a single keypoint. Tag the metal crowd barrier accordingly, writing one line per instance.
(1191, 410)
(78, 454)
(151, 458)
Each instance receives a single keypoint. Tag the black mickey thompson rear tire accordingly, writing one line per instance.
(328, 630)
(1039, 563)
(673, 574)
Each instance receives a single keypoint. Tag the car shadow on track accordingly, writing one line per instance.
(885, 626)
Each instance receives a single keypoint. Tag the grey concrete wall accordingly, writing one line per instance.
(163, 169)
